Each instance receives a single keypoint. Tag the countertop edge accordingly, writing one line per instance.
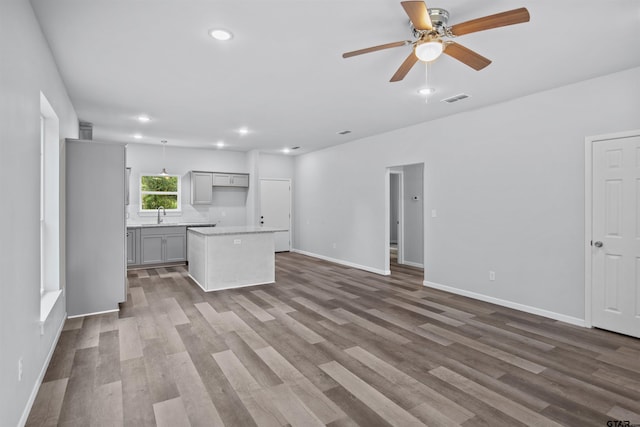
(168, 224)
(221, 231)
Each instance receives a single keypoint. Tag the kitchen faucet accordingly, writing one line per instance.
(163, 211)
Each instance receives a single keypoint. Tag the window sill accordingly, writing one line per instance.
(47, 302)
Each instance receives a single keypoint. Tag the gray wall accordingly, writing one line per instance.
(26, 68)
(507, 182)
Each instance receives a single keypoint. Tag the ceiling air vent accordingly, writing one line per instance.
(456, 98)
(344, 132)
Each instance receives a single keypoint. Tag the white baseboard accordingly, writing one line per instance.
(43, 371)
(229, 287)
(343, 262)
(412, 264)
(94, 314)
(510, 304)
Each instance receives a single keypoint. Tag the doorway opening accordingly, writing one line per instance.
(404, 230)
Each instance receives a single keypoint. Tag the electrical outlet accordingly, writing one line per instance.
(237, 241)
(492, 275)
(20, 369)
(335, 246)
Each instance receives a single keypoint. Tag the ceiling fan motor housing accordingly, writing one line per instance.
(439, 20)
(439, 17)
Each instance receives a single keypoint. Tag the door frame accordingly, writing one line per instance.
(387, 240)
(588, 217)
(290, 203)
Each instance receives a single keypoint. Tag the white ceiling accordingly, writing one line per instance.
(283, 76)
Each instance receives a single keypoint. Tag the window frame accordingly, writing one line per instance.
(177, 193)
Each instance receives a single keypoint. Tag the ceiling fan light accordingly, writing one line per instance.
(429, 51)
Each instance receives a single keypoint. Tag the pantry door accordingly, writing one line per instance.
(275, 210)
(615, 236)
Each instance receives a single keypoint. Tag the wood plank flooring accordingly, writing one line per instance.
(328, 345)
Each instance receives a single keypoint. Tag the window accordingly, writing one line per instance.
(159, 191)
(50, 263)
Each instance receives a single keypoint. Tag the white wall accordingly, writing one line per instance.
(229, 204)
(276, 166)
(26, 69)
(507, 182)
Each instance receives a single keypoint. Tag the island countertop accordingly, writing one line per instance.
(241, 229)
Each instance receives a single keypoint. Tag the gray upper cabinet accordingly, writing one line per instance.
(201, 188)
(203, 183)
(230, 179)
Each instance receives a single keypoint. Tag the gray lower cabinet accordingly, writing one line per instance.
(163, 244)
(133, 246)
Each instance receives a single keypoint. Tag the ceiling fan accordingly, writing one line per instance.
(431, 34)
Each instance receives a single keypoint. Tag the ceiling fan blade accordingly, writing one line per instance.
(511, 17)
(466, 56)
(374, 48)
(405, 67)
(418, 14)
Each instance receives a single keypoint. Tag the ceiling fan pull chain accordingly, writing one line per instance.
(427, 88)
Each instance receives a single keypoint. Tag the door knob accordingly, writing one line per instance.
(597, 244)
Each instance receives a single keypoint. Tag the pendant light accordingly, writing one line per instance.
(164, 170)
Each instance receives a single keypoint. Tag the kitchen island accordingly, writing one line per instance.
(231, 257)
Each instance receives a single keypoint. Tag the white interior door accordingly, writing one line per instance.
(275, 210)
(615, 259)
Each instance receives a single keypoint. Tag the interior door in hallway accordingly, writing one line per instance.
(275, 210)
(615, 263)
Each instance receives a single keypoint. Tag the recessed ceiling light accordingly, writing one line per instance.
(137, 136)
(426, 91)
(220, 34)
(286, 150)
(243, 131)
(143, 118)
(220, 144)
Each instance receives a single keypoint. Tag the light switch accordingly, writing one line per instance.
(433, 213)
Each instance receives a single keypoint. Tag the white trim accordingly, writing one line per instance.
(588, 218)
(588, 224)
(94, 314)
(43, 371)
(343, 262)
(510, 304)
(48, 300)
(399, 228)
